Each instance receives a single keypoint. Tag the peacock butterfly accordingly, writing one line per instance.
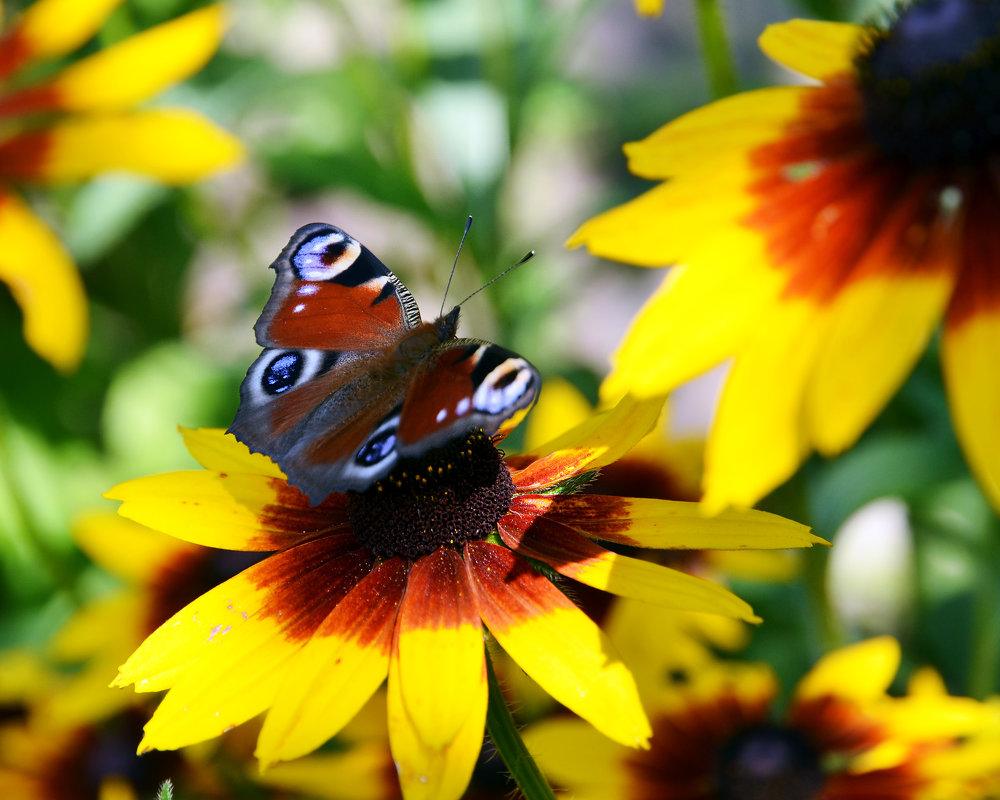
(351, 380)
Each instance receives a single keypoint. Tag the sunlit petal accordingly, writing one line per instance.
(172, 145)
(814, 48)
(437, 680)
(556, 643)
(600, 440)
(579, 558)
(337, 670)
(45, 284)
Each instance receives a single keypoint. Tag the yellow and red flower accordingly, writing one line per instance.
(822, 231)
(719, 737)
(398, 581)
(81, 121)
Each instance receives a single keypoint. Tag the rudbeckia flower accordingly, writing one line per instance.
(399, 580)
(822, 231)
(721, 737)
(81, 121)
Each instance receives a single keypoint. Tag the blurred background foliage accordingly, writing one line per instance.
(395, 120)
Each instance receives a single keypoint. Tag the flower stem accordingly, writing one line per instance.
(715, 48)
(985, 656)
(503, 733)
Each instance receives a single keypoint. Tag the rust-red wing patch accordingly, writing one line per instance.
(330, 316)
(439, 396)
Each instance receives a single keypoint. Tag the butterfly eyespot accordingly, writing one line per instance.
(283, 372)
(325, 256)
(380, 446)
(507, 385)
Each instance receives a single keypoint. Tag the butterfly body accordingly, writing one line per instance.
(351, 380)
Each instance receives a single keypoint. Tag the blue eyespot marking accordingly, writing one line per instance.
(282, 373)
(378, 448)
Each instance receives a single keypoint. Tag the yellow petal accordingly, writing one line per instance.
(760, 417)
(122, 547)
(556, 644)
(224, 688)
(860, 672)
(673, 339)
(879, 327)
(219, 451)
(648, 8)
(230, 511)
(364, 772)
(587, 562)
(601, 439)
(117, 622)
(195, 631)
(673, 221)
(439, 633)
(142, 65)
(45, 284)
(814, 48)
(670, 524)
(559, 407)
(54, 27)
(576, 756)
(337, 671)
(970, 352)
(175, 146)
(694, 142)
(427, 771)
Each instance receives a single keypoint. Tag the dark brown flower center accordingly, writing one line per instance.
(931, 82)
(766, 762)
(443, 499)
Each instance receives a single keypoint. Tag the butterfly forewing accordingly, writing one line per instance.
(332, 293)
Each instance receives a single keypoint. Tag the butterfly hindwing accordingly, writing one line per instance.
(467, 385)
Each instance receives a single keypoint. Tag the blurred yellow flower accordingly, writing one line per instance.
(648, 8)
(81, 121)
(717, 735)
(822, 232)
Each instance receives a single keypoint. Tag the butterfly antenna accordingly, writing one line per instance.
(526, 257)
(468, 224)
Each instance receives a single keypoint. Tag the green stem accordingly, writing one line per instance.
(715, 48)
(503, 733)
(984, 660)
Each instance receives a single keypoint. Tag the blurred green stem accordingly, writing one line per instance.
(503, 733)
(715, 48)
(24, 526)
(984, 660)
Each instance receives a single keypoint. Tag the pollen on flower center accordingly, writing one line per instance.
(766, 761)
(445, 498)
(931, 82)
